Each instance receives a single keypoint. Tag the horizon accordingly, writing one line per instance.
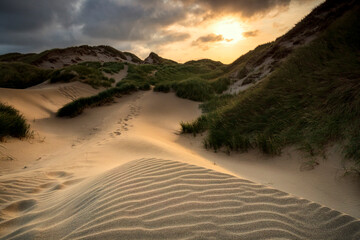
(180, 30)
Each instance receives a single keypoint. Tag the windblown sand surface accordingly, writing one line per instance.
(82, 178)
(162, 199)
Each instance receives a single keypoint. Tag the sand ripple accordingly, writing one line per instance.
(162, 199)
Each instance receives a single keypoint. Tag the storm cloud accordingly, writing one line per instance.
(35, 25)
(245, 8)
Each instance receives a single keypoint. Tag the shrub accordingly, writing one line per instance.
(220, 85)
(87, 72)
(12, 123)
(194, 89)
(21, 75)
(76, 107)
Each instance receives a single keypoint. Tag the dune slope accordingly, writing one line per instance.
(152, 199)
(77, 178)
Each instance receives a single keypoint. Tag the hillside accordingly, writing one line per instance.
(259, 63)
(311, 100)
(59, 58)
(153, 58)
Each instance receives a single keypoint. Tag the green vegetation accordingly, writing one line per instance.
(311, 100)
(29, 58)
(139, 75)
(195, 80)
(21, 75)
(48, 55)
(76, 107)
(195, 89)
(112, 67)
(12, 123)
(88, 72)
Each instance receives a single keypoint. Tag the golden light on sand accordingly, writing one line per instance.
(230, 29)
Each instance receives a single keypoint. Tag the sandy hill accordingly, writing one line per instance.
(124, 171)
(260, 62)
(58, 58)
(102, 175)
(153, 58)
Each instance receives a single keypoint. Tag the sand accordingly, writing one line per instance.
(124, 171)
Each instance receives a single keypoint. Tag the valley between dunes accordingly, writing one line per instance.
(124, 170)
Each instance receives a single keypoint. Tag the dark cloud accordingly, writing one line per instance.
(245, 8)
(250, 33)
(210, 38)
(30, 15)
(40, 24)
(127, 20)
(204, 41)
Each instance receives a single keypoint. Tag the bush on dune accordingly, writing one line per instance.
(12, 123)
(194, 89)
(21, 75)
(88, 72)
(76, 107)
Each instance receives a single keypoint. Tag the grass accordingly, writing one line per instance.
(311, 100)
(195, 89)
(12, 123)
(76, 107)
(21, 75)
(139, 75)
(195, 80)
(88, 72)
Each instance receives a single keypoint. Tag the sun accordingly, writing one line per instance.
(230, 29)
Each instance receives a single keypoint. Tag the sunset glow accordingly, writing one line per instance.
(181, 30)
(230, 29)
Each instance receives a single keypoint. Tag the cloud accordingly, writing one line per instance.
(127, 20)
(210, 38)
(204, 41)
(250, 33)
(36, 25)
(244, 8)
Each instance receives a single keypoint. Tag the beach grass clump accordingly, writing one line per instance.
(220, 84)
(12, 123)
(194, 89)
(112, 67)
(76, 107)
(311, 101)
(21, 75)
(164, 87)
(85, 72)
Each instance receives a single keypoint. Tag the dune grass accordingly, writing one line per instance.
(21, 75)
(139, 75)
(311, 100)
(12, 123)
(76, 107)
(195, 80)
(87, 72)
(195, 89)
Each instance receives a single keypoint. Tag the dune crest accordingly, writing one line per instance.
(154, 198)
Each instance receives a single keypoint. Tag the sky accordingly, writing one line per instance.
(181, 30)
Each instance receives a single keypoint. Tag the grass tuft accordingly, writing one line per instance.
(76, 107)
(21, 75)
(12, 123)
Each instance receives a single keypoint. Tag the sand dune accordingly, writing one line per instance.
(77, 178)
(162, 199)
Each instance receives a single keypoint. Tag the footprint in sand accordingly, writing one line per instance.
(17, 208)
(58, 174)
